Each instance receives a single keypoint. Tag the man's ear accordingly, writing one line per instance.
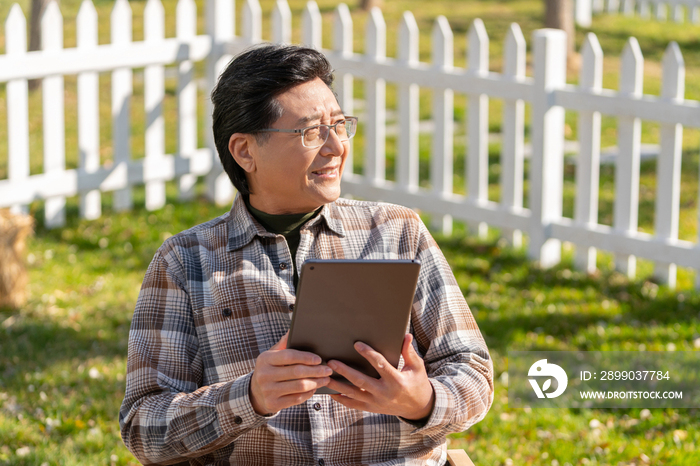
(243, 147)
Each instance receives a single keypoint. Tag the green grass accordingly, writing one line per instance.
(63, 355)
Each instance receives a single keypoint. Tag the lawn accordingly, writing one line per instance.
(63, 355)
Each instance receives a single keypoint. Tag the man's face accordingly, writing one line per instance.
(288, 177)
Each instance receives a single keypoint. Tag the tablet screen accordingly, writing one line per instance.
(340, 302)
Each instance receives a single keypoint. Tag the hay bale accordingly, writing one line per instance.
(14, 230)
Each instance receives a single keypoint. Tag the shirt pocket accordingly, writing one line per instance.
(229, 337)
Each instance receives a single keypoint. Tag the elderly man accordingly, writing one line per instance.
(210, 379)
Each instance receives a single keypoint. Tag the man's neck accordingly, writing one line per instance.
(271, 209)
(279, 223)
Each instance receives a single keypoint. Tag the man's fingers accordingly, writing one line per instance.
(297, 387)
(375, 358)
(282, 344)
(299, 371)
(350, 402)
(407, 340)
(410, 357)
(355, 377)
(289, 357)
(348, 390)
(294, 399)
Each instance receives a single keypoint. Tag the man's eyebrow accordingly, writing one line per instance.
(316, 116)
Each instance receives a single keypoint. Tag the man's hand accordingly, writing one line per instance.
(285, 377)
(407, 393)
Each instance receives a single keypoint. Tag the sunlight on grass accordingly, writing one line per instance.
(63, 356)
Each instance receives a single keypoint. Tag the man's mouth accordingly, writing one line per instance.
(326, 171)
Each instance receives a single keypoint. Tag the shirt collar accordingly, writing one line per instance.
(243, 227)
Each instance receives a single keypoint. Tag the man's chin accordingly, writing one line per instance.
(328, 195)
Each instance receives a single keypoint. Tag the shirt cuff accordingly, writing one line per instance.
(234, 410)
(441, 413)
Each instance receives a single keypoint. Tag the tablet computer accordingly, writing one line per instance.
(340, 302)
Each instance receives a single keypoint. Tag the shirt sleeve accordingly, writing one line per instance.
(166, 415)
(447, 337)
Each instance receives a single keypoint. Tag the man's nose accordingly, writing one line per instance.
(333, 147)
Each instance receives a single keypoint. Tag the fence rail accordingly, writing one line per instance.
(546, 91)
(681, 10)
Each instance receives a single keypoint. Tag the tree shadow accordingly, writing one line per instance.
(31, 344)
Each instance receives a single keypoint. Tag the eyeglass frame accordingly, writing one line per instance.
(302, 130)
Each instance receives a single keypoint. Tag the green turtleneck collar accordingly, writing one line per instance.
(287, 225)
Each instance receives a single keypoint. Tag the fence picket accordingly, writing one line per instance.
(17, 104)
(252, 21)
(512, 149)
(478, 123)
(186, 30)
(629, 131)
(678, 13)
(281, 23)
(154, 94)
(668, 181)
(88, 111)
(644, 9)
(407, 164)
(547, 163)
(441, 159)
(221, 27)
(680, 10)
(375, 156)
(312, 25)
(661, 11)
(122, 89)
(547, 92)
(342, 45)
(583, 10)
(53, 114)
(588, 166)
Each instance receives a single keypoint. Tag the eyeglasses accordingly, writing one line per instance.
(317, 135)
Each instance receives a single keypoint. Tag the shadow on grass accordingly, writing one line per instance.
(31, 345)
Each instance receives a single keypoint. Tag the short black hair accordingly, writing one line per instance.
(244, 98)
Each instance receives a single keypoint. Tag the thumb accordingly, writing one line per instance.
(282, 344)
(410, 357)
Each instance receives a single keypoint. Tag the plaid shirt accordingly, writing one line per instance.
(219, 294)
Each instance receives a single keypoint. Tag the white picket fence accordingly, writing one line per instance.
(546, 91)
(681, 10)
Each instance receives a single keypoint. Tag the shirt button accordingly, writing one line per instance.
(317, 406)
(226, 312)
(321, 462)
(283, 265)
(238, 420)
(291, 307)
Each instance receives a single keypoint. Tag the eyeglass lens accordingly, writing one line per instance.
(318, 135)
